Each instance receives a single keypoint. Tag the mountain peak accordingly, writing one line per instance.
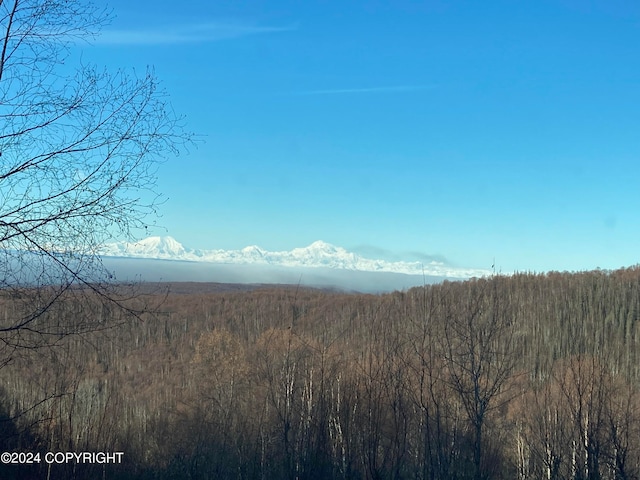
(253, 250)
(158, 240)
(317, 254)
(150, 247)
(322, 245)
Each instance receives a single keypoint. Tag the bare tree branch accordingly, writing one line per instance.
(78, 158)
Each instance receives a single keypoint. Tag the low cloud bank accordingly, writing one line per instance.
(152, 270)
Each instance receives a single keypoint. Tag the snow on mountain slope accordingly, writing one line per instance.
(152, 247)
(318, 254)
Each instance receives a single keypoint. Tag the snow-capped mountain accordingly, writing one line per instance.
(153, 247)
(318, 254)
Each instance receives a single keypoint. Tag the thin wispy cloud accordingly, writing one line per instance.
(196, 33)
(364, 90)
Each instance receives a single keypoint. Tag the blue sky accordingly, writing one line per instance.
(461, 130)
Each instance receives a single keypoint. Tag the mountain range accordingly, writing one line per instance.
(317, 255)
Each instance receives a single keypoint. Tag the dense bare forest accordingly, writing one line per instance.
(511, 377)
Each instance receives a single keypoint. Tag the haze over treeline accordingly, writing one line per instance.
(154, 270)
(520, 377)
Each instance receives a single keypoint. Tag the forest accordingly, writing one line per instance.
(527, 376)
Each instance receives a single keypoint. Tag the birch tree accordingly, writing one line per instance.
(78, 155)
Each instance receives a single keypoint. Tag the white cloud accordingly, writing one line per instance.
(197, 33)
(385, 89)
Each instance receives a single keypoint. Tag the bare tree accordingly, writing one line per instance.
(78, 156)
(478, 352)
